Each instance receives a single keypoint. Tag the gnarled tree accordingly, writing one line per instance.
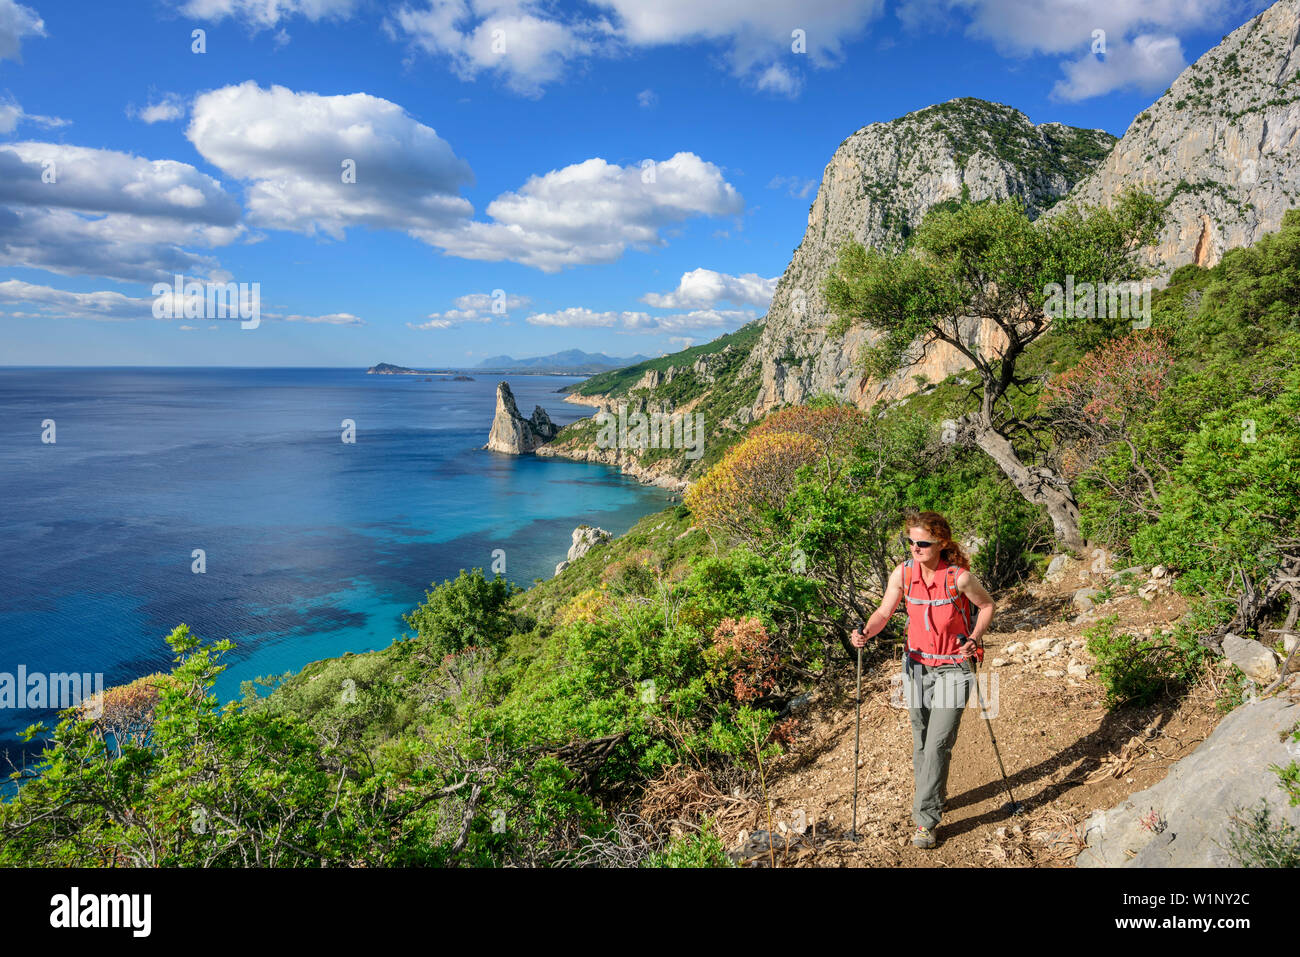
(989, 262)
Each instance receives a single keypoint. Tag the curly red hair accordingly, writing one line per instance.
(938, 528)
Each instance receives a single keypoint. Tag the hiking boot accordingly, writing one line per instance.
(924, 837)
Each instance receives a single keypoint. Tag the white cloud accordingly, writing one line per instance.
(591, 212)
(706, 288)
(646, 99)
(641, 322)
(579, 317)
(58, 303)
(16, 23)
(1141, 45)
(528, 47)
(265, 14)
(776, 78)
(450, 318)
(333, 319)
(473, 307)
(696, 319)
(795, 186)
(514, 39)
(483, 302)
(108, 181)
(11, 114)
(1148, 64)
(292, 149)
(681, 342)
(51, 303)
(757, 36)
(75, 210)
(170, 107)
(1020, 27)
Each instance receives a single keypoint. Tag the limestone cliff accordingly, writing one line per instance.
(877, 187)
(1220, 144)
(514, 434)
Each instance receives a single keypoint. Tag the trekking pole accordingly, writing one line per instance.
(857, 738)
(1013, 806)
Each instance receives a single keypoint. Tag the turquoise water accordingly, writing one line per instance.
(313, 547)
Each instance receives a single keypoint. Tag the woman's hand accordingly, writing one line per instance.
(857, 638)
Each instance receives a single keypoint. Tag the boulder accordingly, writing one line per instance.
(1137, 571)
(1061, 566)
(585, 538)
(1184, 820)
(1251, 657)
(1082, 599)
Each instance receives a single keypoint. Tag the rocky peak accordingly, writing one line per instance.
(1220, 144)
(877, 187)
(514, 434)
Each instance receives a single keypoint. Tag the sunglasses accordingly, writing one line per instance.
(920, 544)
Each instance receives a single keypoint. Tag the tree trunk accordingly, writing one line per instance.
(1039, 485)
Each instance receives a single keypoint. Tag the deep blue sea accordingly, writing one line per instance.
(313, 547)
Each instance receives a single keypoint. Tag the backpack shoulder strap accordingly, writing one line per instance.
(907, 575)
(958, 599)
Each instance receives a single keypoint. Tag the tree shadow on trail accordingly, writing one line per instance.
(1033, 786)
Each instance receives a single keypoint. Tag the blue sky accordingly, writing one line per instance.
(630, 175)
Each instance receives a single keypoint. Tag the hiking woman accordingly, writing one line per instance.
(941, 635)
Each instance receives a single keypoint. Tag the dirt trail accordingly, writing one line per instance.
(1065, 755)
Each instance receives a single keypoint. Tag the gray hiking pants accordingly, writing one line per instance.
(936, 697)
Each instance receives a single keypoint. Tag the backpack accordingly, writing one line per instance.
(955, 597)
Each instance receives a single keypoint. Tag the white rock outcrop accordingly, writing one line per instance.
(511, 432)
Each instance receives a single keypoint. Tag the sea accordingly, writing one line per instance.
(231, 500)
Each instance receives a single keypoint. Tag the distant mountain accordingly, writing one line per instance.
(571, 360)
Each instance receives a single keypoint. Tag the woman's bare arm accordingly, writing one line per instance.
(971, 587)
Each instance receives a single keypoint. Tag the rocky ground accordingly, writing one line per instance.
(1064, 753)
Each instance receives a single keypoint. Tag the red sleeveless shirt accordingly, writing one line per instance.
(934, 642)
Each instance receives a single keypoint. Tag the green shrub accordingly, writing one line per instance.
(1136, 670)
(1255, 841)
(701, 849)
(1289, 776)
(471, 610)
(1235, 492)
